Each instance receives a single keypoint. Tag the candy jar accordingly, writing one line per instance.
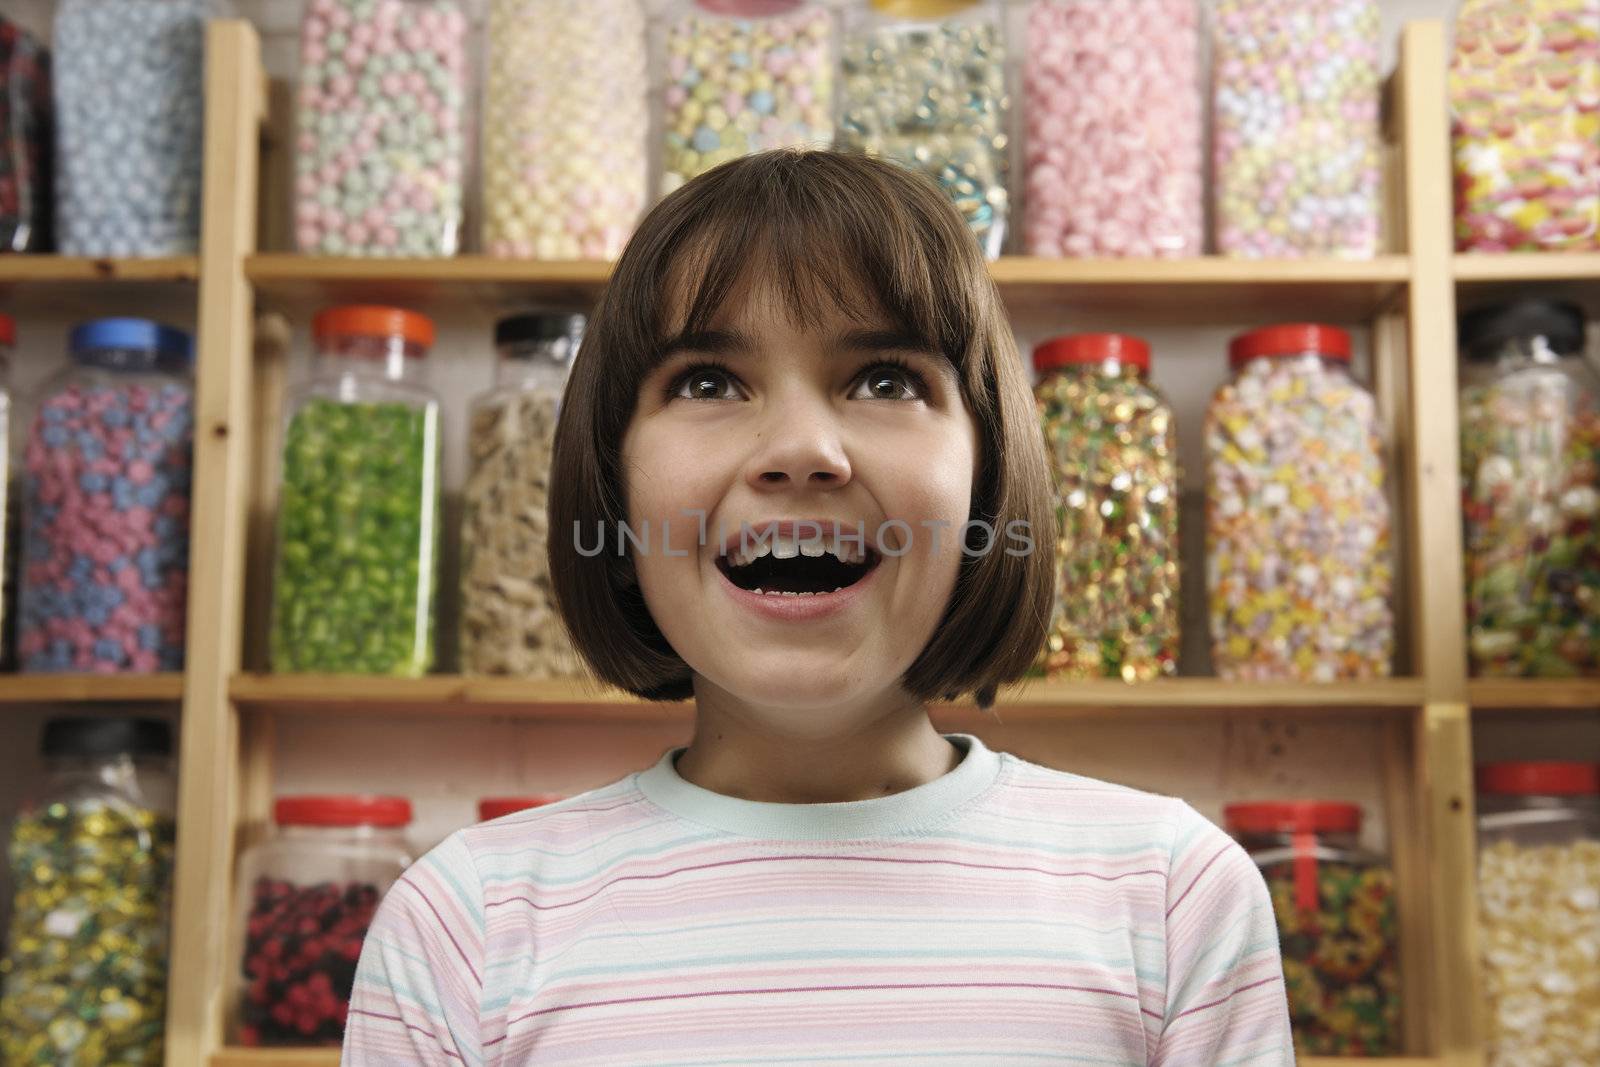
(382, 118)
(1297, 514)
(129, 93)
(742, 76)
(1334, 904)
(306, 897)
(923, 82)
(26, 141)
(495, 807)
(1539, 911)
(1530, 491)
(358, 515)
(1525, 129)
(1111, 96)
(565, 172)
(85, 978)
(1296, 143)
(1113, 446)
(107, 468)
(509, 623)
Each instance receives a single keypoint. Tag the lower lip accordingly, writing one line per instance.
(799, 608)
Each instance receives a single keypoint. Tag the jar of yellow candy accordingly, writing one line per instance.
(85, 975)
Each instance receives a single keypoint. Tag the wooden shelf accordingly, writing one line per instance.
(72, 284)
(88, 688)
(1210, 289)
(316, 1057)
(1534, 694)
(1485, 278)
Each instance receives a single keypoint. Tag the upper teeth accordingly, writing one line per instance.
(845, 546)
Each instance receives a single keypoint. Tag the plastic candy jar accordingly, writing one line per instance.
(923, 82)
(1334, 902)
(129, 93)
(1112, 100)
(1530, 491)
(1297, 515)
(306, 897)
(1296, 148)
(1539, 911)
(27, 139)
(509, 623)
(565, 173)
(1524, 82)
(495, 807)
(1113, 446)
(85, 977)
(382, 118)
(358, 516)
(742, 76)
(106, 474)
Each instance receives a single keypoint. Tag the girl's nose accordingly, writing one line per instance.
(800, 446)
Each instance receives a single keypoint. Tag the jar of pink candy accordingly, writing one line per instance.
(106, 473)
(382, 125)
(1296, 143)
(1297, 514)
(1525, 124)
(1112, 101)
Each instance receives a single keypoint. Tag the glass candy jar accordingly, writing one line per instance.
(1334, 905)
(27, 138)
(359, 509)
(1112, 103)
(306, 898)
(495, 807)
(742, 76)
(1113, 446)
(1530, 491)
(84, 979)
(1539, 911)
(923, 82)
(1297, 514)
(107, 469)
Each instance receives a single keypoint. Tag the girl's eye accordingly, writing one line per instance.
(887, 379)
(702, 382)
(883, 380)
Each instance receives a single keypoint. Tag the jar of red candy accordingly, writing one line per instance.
(306, 897)
(1524, 80)
(26, 140)
(106, 472)
(1298, 565)
(1530, 491)
(1112, 100)
(1334, 904)
(495, 807)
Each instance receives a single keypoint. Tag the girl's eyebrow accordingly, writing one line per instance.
(738, 343)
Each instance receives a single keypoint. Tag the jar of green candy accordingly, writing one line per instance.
(1334, 905)
(358, 515)
(1530, 491)
(1113, 446)
(84, 979)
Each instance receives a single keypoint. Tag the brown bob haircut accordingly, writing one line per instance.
(821, 226)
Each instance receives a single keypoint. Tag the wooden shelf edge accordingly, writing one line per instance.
(1526, 266)
(87, 688)
(1534, 694)
(41, 269)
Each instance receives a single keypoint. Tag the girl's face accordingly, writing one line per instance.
(805, 422)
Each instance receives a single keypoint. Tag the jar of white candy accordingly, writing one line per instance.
(1539, 911)
(129, 83)
(381, 136)
(509, 623)
(1112, 101)
(1297, 513)
(1296, 144)
(923, 82)
(742, 76)
(564, 138)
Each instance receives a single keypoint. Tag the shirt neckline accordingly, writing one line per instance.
(843, 820)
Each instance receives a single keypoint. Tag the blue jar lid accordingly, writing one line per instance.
(141, 335)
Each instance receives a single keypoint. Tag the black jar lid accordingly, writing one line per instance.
(539, 326)
(1482, 333)
(84, 737)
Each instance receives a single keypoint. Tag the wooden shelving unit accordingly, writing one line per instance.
(88, 688)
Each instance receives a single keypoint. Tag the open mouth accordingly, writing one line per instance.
(798, 575)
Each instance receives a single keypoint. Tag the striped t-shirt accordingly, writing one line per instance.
(1003, 913)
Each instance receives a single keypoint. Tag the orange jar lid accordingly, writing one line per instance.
(373, 320)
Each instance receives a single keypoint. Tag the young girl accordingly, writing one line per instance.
(798, 478)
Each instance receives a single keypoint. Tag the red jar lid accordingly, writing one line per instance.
(372, 320)
(1290, 339)
(1078, 348)
(8, 330)
(1551, 778)
(494, 807)
(337, 810)
(1290, 816)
